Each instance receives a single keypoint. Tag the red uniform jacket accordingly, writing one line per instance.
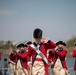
(43, 47)
(13, 57)
(62, 54)
(23, 58)
(74, 55)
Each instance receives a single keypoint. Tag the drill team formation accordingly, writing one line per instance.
(37, 56)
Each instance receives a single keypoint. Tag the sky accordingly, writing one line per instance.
(19, 18)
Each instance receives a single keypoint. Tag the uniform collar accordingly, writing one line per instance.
(35, 43)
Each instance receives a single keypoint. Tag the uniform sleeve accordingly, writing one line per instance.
(62, 54)
(14, 57)
(23, 56)
(29, 55)
(74, 53)
(29, 51)
(51, 55)
(50, 45)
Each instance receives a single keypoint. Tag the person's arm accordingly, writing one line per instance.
(62, 54)
(12, 62)
(74, 53)
(10, 52)
(50, 55)
(23, 56)
(48, 43)
(30, 69)
(29, 58)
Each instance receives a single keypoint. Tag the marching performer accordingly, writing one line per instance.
(74, 55)
(57, 59)
(38, 52)
(22, 66)
(12, 61)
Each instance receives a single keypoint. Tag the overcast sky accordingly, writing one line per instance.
(18, 19)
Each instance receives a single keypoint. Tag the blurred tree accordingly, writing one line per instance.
(70, 42)
(5, 46)
(8, 44)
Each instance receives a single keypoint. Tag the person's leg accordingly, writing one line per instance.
(24, 72)
(55, 71)
(12, 69)
(62, 72)
(1, 72)
(5, 72)
(34, 71)
(38, 69)
(42, 71)
(18, 71)
(18, 68)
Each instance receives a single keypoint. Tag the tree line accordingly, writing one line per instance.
(8, 44)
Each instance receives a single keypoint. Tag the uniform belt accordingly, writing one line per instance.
(38, 59)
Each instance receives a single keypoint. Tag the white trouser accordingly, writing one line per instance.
(13, 70)
(57, 71)
(20, 71)
(38, 69)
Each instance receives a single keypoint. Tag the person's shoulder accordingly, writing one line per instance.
(31, 46)
(74, 50)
